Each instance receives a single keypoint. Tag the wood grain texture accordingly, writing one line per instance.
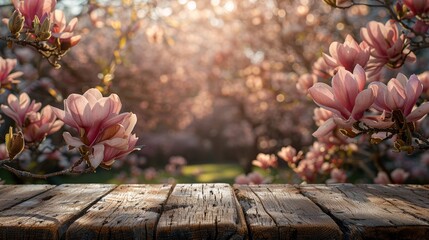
(404, 198)
(10, 195)
(47, 216)
(363, 215)
(281, 212)
(202, 211)
(128, 212)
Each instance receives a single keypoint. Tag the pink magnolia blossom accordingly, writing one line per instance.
(104, 133)
(265, 161)
(321, 69)
(252, 178)
(307, 170)
(347, 55)
(420, 27)
(289, 154)
(150, 174)
(62, 31)
(41, 124)
(305, 82)
(20, 108)
(382, 178)
(347, 99)
(387, 43)
(337, 176)
(400, 94)
(424, 79)
(7, 78)
(417, 7)
(31, 8)
(175, 165)
(399, 175)
(321, 115)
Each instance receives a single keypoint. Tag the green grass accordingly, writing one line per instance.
(201, 173)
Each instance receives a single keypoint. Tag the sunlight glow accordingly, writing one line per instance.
(192, 5)
(215, 2)
(229, 6)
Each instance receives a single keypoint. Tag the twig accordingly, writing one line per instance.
(68, 171)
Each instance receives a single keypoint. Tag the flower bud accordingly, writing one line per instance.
(400, 9)
(42, 30)
(16, 23)
(348, 133)
(331, 2)
(14, 143)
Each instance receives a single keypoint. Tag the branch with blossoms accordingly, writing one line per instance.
(411, 15)
(101, 133)
(94, 125)
(39, 25)
(361, 115)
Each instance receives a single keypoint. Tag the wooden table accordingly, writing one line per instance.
(214, 211)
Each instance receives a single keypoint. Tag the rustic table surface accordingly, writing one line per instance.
(214, 211)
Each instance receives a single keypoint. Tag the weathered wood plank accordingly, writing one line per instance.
(421, 190)
(404, 198)
(10, 195)
(363, 215)
(281, 212)
(202, 211)
(128, 212)
(48, 215)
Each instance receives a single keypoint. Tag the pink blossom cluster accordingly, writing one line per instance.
(175, 165)
(350, 102)
(397, 176)
(265, 161)
(25, 113)
(7, 78)
(314, 165)
(44, 10)
(382, 45)
(252, 178)
(103, 134)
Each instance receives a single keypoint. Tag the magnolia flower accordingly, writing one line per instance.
(307, 170)
(347, 99)
(421, 26)
(321, 115)
(289, 154)
(322, 69)
(399, 175)
(32, 8)
(7, 78)
(382, 178)
(400, 94)
(388, 45)
(305, 82)
(424, 79)
(417, 7)
(265, 161)
(41, 124)
(104, 134)
(251, 178)
(347, 55)
(62, 31)
(20, 108)
(337, 176)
